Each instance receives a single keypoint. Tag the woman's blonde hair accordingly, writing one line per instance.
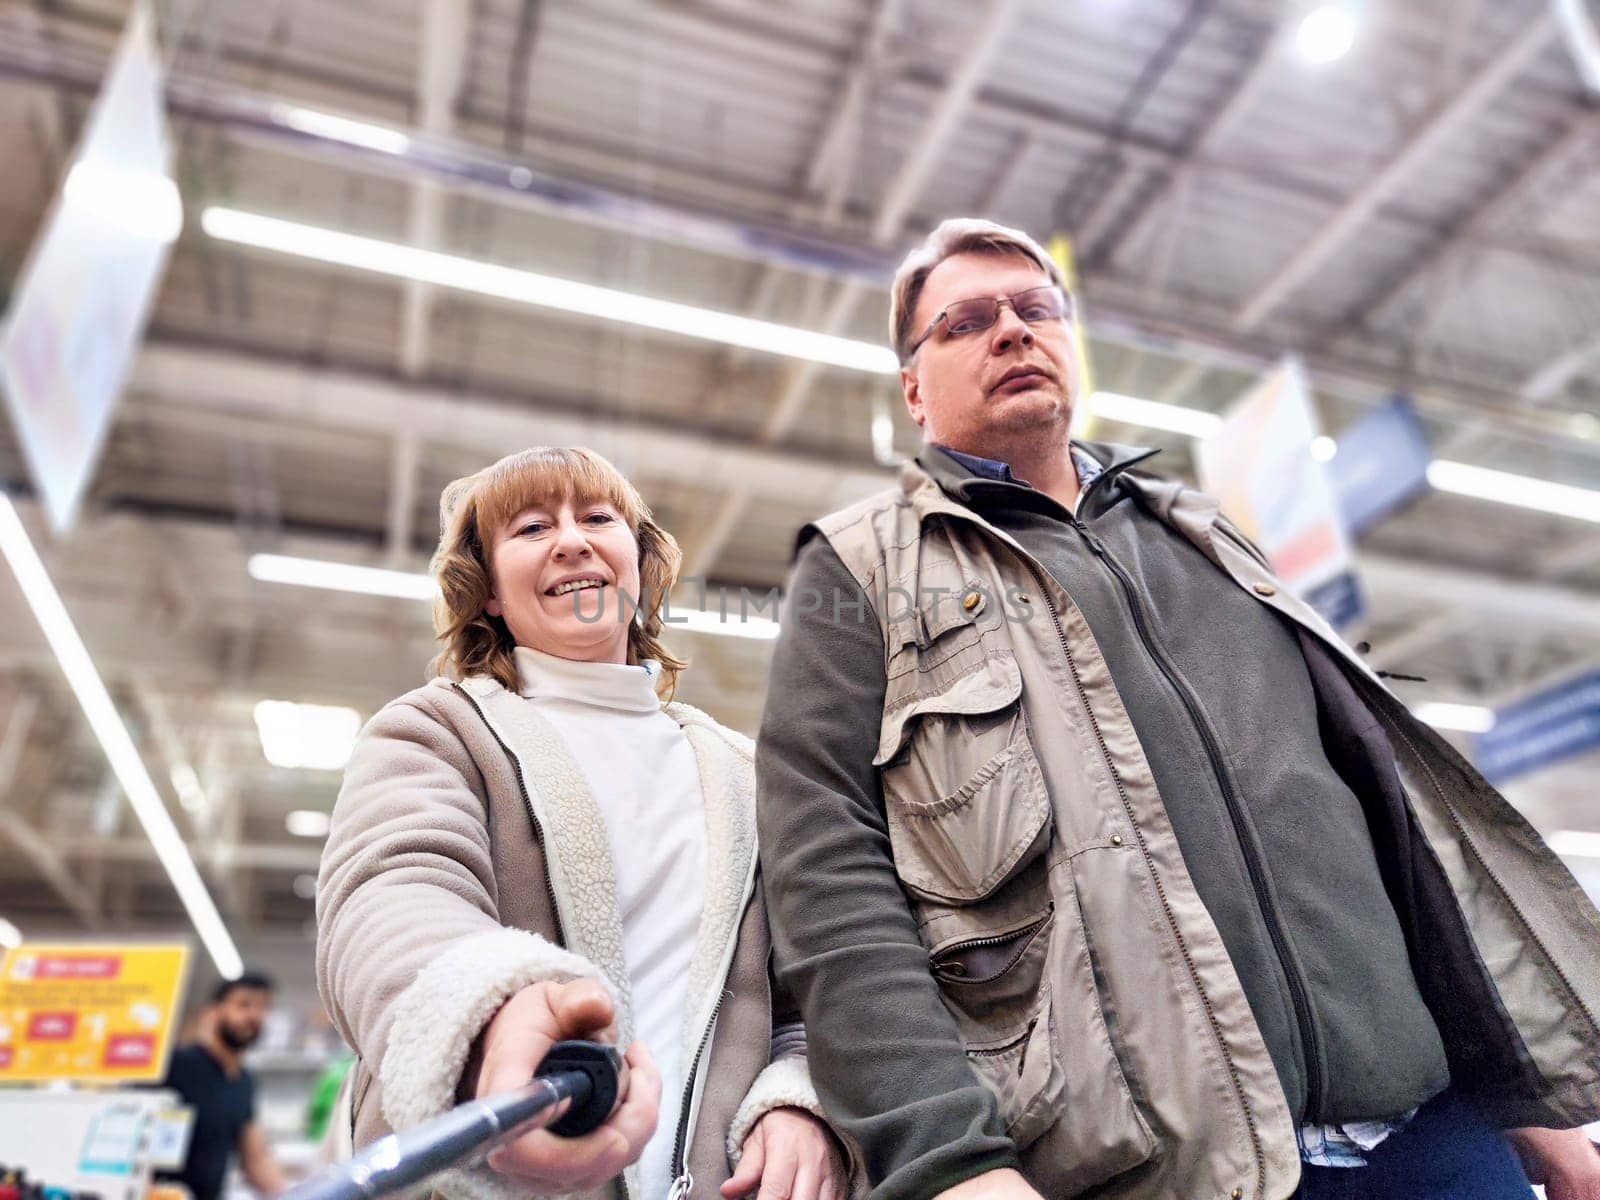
(475, 510)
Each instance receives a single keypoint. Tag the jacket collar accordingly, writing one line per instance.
(957, 473)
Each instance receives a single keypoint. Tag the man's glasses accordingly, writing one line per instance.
(975, 315)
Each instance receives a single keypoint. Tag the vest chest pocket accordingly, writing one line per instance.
(965, 800)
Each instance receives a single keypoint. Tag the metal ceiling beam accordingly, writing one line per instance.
(1506, 205)
(1108, 228)
(941, 121)
(1442, 122)
(443, 47)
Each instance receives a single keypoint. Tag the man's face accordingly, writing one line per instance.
(239, 1016)
(989, 391)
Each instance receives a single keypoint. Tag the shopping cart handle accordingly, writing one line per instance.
(585, 1074)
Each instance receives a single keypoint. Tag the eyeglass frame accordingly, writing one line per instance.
(1002, 302)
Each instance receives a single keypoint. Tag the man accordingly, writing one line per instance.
(1097, 861)
(211, 1079)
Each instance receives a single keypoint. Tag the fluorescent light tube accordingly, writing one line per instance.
(1467, 718)
(1575, 843)
(1153, 414)
(543, 291)
(308, 823)
(1523, 491)
(342, 129)
(114, 739)
(341, 577)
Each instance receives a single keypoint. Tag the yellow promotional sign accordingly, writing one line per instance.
(88, 1013)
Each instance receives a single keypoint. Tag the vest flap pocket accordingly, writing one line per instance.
(964, 797)
(994, 684)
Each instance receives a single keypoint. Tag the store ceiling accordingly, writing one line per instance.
(1418, 216)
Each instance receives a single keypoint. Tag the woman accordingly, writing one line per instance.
(533, 846)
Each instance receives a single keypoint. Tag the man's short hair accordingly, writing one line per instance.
(958, 235)
(253, 980)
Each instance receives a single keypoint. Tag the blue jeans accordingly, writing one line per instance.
(1447, 1152)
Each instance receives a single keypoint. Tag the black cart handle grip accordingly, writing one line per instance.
(586, 1075)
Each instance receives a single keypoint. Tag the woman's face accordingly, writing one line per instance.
(566, 580)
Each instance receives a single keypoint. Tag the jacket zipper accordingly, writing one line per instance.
(682, 1181)
(1042, 584)
(1298, 992)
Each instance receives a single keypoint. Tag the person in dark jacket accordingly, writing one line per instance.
(211, 1079)
(1098, 862)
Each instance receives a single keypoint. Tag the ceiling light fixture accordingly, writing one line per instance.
(114, 739)
(342, 129)
(1324, 448)
(341, 577)
(1523, 491)
(1326, 33)
(315, 737)
(543, 291)
(1153, 414)
(1463, 718)
(10, 935)
(308, 823)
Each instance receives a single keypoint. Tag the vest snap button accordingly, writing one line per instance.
(1237, 1194)
(1263, 589)
(1116, 839)
(1024, 598)
(971, 601)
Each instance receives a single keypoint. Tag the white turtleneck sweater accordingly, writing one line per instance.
(642, 772)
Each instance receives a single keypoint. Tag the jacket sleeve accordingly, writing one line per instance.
(887, 1059)
(412, 961)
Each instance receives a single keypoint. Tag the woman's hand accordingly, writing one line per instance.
(793, 1156)
(515, 1043)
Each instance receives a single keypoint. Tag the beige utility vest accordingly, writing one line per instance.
(1093, 993)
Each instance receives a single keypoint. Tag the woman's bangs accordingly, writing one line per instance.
(548, 478)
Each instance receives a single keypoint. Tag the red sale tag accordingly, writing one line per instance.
(52, 1026)
(130, 1050)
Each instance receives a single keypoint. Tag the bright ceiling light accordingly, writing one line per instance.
(115, 741)
(1153, 414)
(342, 129)
(10, 935)
(316, 737)
(1465, 718)
(1326, 33)
(1575, 843)
(1523, 491)
(308, 823)
(543, 291)
(1324, 448)
(187, 784)
(305, 886)
(341, 577)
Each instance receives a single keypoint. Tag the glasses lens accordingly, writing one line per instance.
(969, 316)
(1040, 304)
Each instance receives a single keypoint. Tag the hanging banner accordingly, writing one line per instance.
(1557, 723)
(80, 309)
(1259, 466)
(1381, 466)
(89, 1013)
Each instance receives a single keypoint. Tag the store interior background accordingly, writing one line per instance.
(1419, 214)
